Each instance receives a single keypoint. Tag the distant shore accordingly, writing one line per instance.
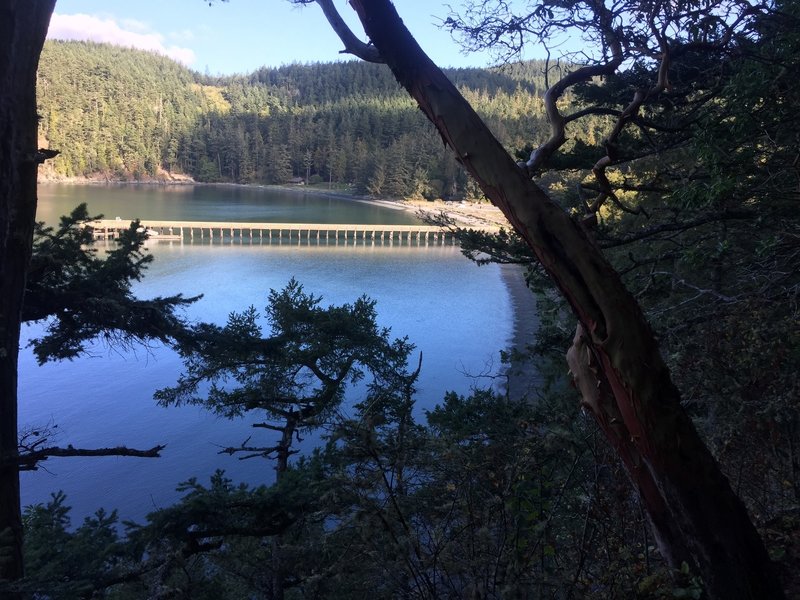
(522, 378)
(464, 214)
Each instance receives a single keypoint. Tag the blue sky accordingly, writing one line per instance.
(241, 35)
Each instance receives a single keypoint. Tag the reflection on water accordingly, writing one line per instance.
(213, 203)
(458, 315)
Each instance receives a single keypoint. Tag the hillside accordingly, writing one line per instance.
(125, 114)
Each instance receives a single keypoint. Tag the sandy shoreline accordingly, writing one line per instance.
(465, 214)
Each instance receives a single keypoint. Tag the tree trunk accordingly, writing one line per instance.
(283, 453)
(696, 516)
(23, 26)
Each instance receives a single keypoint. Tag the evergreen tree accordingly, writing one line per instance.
(90, 297)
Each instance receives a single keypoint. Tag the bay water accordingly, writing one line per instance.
(459, 316)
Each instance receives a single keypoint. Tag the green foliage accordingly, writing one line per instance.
(495, 497)
(703, 228)
(723, 293)
(300, 371)
(491, 497)
(89, 110)
(224, 510)
(86, 297)
(345, 122)
(701, 223)
(65, 564)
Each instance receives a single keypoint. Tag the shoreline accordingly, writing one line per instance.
(467, 215)
(522, 377)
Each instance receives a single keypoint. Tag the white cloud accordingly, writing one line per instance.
(134, 25)
(107, 30)
(184, 35)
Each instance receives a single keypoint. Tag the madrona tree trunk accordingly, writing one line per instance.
(23, 26)
(695, 514)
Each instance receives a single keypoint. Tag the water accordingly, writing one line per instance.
(458, 315)
(213, 203)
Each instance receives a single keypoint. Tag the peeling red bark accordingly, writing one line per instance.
(695, 514)
(598, 399)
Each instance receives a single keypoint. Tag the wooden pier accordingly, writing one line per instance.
(275, 232)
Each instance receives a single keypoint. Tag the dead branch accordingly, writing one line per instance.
(29, 461)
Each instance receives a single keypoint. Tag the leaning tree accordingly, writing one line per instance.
(615, 358)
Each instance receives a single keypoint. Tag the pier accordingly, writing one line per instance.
(277, 232)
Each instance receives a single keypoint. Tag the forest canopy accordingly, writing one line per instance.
(677, 252)
(345, 123)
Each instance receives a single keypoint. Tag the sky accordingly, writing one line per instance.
(242, 35)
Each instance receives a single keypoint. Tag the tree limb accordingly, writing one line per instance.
(555, 118)
(669, 227)
(29, 461)
(352, 45)
(696, 516)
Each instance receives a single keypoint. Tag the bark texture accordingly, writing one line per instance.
(23, 26)
(695, 514)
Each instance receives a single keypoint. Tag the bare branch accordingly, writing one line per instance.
(352, 45)
(552, 95)
(257, 451)
(670, 227)
(29, 461)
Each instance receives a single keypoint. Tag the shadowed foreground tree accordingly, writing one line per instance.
(87, 296)
(227, 540)
(615, 360)
(23, 26)
(696, 516)
(294, 380)
(84, 298)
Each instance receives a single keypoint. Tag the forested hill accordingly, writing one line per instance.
(120, 113)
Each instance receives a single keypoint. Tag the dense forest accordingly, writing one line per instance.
(119, 113)
(681, 226)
